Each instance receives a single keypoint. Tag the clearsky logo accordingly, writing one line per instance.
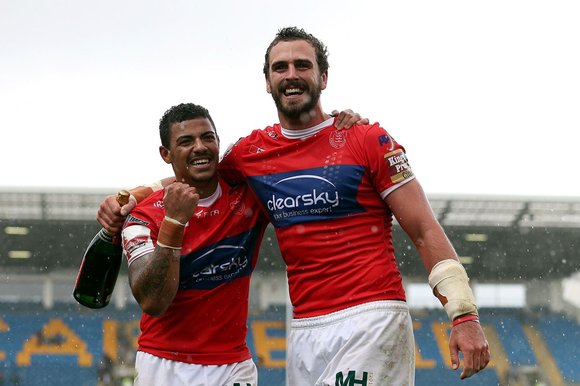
(322, 197)
(309, 195)
(226, 260)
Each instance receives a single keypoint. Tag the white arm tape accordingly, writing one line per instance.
(450, 284)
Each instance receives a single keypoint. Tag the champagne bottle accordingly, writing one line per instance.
(100, 266)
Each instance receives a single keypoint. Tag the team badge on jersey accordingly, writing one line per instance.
(337, 139)
(237, 204)
(271, 133)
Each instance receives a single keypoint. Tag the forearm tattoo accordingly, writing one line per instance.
(157, 271)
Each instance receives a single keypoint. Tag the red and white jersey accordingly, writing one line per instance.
(207, 321)
(324, 194)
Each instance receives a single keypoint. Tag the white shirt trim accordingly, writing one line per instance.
(390, 190)
(305, 133)
(209, 201)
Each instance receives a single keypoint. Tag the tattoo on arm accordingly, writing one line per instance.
(156, 272)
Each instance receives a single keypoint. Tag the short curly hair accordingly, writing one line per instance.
(176, 114)
(289, 34)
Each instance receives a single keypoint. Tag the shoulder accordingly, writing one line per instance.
(152, 200)
(373, 135)
(255, 138)
(259, 134)
(234, 192)
(239, 198)
(150, 209)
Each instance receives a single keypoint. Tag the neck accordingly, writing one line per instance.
(306, 120)
(205, 188)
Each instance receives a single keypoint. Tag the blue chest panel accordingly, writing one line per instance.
(309, 195)
(226, 260)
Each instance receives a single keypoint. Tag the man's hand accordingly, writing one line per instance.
(346, 118)
(180, 201)
(468, 338)
(111, 216)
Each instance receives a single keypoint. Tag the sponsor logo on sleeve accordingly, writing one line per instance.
(136, 241)
(132, 220)
(134, 244)
(398, 164)
(386, 140)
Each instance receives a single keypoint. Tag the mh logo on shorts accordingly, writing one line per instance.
(310, 194)
(350, 379)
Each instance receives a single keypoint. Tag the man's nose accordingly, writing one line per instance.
(198, 145)
(292, 73)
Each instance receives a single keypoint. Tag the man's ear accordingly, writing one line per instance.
(165, 154)
(268, 87)
(323, 80)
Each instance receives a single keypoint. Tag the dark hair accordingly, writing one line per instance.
(289, 34)
(180, 113)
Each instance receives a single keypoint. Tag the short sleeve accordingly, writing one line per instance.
(229, 166)
(388, 162)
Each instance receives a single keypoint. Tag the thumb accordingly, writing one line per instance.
(454, 354)
(127, 208)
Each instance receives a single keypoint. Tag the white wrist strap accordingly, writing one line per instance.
(450, 284)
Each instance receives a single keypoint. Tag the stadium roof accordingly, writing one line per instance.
(496, 236)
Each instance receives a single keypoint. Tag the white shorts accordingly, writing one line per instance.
(155, 371)
(369, 344)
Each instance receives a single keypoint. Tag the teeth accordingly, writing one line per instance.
(200, 162)
(292, 91)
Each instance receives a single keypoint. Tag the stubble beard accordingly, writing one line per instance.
(300, 111)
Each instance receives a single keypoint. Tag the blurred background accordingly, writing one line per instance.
(483, 95)
(521, 254)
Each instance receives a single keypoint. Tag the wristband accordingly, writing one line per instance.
(168, 246)
(450, 284)
(174, 221)
(465, 318)
(170, 235)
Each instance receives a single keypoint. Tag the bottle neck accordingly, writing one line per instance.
(106, 236)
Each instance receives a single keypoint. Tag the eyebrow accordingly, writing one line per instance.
(295, 61)
(204, 134)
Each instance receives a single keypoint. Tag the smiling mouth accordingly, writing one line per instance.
(200, 162)
(293, 91)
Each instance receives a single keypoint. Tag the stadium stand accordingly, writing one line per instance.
(520, 253)
(67, 345)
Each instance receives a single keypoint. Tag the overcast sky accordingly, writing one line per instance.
(485, 96)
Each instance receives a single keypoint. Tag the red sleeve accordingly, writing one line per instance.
(389, 166)
(229, 167)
